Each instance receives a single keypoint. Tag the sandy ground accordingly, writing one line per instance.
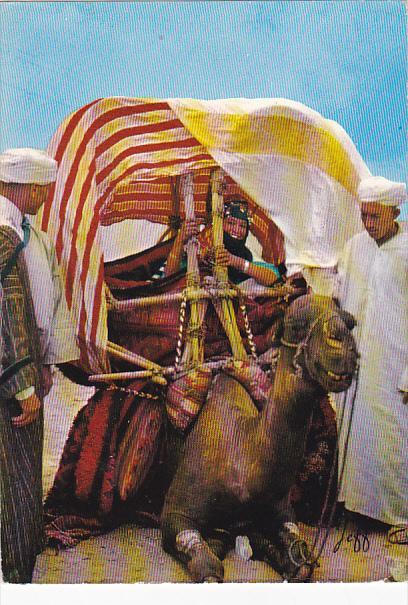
(131, 554)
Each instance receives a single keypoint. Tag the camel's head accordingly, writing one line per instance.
(321, 333)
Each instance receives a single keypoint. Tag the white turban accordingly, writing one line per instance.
(382, 191)
(27, 166)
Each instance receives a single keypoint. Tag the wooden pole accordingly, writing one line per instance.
(225, 310)
(121, 353)
(168, 233)
(125, 376)
(147, 301)
(194, 294)
(174, 186)
(213, 365)
(194, 348)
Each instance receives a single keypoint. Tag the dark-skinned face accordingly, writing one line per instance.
(378, 219)
(235, 227)
(36, 198)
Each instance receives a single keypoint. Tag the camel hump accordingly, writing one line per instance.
(226, 393)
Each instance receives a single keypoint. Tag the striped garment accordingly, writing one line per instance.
(21, 495)
(20, 449)
(18, 319)
(119, 158)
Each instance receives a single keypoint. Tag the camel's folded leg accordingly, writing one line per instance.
(278, 541)
(182, 539)
(297, 564)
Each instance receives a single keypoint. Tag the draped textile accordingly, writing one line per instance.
(20, 449)
(118, 158)
(35, 323)
(373, 286)
(90, 495)
(21, 495)
(18, 321)
(56, 341)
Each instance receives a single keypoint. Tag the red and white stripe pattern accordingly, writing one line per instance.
(116, 157)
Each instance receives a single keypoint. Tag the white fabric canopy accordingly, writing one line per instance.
(115, 157)
(303, 169)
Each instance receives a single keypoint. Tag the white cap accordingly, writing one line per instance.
(382, 191)
(27, 166)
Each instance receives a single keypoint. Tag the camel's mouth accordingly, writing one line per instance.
(340, 381)
(339, 377)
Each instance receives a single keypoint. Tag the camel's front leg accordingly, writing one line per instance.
(278, 541)
(182, 539)
(186, 513)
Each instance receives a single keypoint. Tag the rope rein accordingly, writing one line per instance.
(331, 478)
(141, 394)
(313, 558)
(179, 346)
(249, 333)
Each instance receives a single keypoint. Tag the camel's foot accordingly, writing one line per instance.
(290, 556)
(296, 560)
(202, 563)
(220, 542)
(264, 549)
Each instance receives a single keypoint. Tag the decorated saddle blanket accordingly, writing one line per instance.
(111, 469)
(114, 459)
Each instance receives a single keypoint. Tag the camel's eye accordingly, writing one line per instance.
(336, 343)
(333, 336)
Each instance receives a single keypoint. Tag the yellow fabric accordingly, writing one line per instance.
(300, 168)
(277, 134)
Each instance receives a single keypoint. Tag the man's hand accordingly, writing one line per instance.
(30, 411)
(224, 258)
(189, 229)
(296, 284)
(297, 281)
(405, 397)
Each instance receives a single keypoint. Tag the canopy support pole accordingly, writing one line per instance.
(194, 347)
(175, 218)
(223, 307)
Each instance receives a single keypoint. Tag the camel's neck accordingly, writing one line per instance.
(292, 401)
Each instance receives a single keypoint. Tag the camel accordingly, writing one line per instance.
(239, 463)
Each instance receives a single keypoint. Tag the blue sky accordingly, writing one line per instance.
(346, 60)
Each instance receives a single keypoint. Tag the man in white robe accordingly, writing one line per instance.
(373, 285)
(36, 333)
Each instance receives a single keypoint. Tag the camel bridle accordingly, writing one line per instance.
(302, 346)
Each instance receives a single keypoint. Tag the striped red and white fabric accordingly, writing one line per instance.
(119, 158)
(98, 148)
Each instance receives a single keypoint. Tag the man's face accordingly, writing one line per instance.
(235, 227)
(378, 219)
(38, 195)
